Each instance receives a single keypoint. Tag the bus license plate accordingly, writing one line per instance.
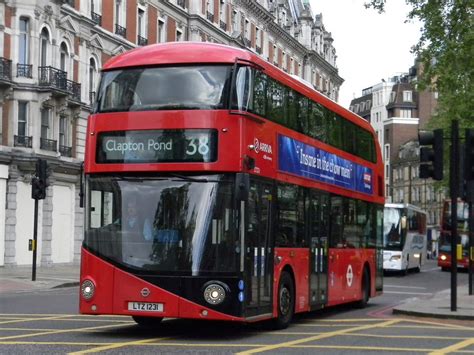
(145, 306)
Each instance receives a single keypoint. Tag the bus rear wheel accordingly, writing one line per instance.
(147, 322)
(286, 301)
(365, 290)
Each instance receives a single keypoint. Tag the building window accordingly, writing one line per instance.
(45, 116)
(63, 132)
(179, 35)
(64, 57)
(387, 152)
(393, 95)
(407, 96)
(161, 30)
(24, 41)
(405, 113)
(141, 23)
(119, 12)
(92, 79)
(22, 118)
(44, 47)
(235, 21)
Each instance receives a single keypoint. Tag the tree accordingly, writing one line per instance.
(446, 55)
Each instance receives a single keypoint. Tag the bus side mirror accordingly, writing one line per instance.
(242, 185)
(404, 222)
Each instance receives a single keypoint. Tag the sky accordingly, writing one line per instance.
(369, 46)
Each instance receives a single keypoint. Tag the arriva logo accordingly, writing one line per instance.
(264, 147)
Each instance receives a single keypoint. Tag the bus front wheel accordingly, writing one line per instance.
(286, 301)
(147, 322)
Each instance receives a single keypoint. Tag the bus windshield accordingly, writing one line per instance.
(164, 224)
(164, 88)
(392, 236)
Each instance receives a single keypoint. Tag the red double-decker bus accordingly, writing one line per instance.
(462, 220)
(220, 187)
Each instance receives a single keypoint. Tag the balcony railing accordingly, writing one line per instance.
(142, 41)
(48, 144)
(23, 141)
(247, 42)
(52, 77)
(91, 97)
(181, 3)
(258, 49)
(74, 89)
(210, 16)
(24, 70)
(65, 151)
(69, 2)
(121, 31)
(223, 25)
(96, 18)
(5, 69)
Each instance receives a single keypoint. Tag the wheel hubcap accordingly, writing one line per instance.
(285, 301)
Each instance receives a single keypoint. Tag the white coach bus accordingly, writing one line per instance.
(404, 237)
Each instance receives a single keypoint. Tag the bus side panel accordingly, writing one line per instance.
(345, 274)
(298, 260)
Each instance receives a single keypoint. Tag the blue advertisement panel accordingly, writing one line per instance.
(304, 160)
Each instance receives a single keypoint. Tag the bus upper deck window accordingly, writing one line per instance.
(243, 85)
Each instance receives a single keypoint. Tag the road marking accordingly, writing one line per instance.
(20, 320)
(319, 337)
(430, 270)
(409, 293)
(454, 347)
(397, 286)
(59, 331)
(117, 345)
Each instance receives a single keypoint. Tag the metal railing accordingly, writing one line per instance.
(69, 2)
(5, 69)
(181, 3)
(48, 144)
(142, 41)
(210, 16)
(96, 18)
(24, 70)
(247, 42)
(223, 25)
(23, 141)
(74, 89)
(65, 151)
(258, 49)
(55, 78)
(121, 31)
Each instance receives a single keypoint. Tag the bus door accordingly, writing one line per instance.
(258, 250)
(318, 219)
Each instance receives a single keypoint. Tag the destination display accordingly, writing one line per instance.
(305, 160)
(152, 146)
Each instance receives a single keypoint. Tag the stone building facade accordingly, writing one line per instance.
(51, 53)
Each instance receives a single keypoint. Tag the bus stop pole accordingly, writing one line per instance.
(454, 187)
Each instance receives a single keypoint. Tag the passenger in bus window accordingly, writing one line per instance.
(136, 223)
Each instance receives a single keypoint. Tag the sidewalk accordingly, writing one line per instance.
(18, 280)
(439, 305)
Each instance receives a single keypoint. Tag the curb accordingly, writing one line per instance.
(432, 315)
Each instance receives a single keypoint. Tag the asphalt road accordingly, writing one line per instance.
(48, 322)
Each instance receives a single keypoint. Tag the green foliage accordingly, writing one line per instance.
(446, 54)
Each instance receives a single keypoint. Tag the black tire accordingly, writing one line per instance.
(286, 301)
(445, 268)
(147, 322)
(365, 290)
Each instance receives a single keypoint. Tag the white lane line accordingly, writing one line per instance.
(397, 286)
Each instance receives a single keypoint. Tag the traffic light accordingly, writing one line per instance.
(39, 182)
(431, 154)
(469, 155)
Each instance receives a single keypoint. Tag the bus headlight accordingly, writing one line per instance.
(443, 257)
(395, 257)
(87, 289)
(214, 293)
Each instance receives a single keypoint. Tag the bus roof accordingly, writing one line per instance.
(405, 205)
(205, 52)
(177, 52)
